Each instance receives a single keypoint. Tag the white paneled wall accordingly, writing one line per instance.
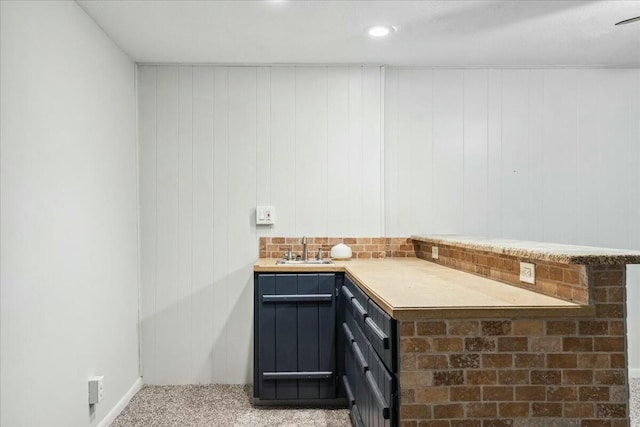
(214, 143)
(537, 154)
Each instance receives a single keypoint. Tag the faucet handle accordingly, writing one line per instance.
(319, 254)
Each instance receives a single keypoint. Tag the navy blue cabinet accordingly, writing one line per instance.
(295, 339)
(368, 343)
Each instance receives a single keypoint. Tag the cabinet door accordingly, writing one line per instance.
(296, 327)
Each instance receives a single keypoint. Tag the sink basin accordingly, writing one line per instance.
(301, 262)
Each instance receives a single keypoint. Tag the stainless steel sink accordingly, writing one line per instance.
(302, 262)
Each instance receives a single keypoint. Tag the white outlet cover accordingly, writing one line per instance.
(434, 252)
(528, 273)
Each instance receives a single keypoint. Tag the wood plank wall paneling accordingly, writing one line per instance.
(214, 143)
(538, 154)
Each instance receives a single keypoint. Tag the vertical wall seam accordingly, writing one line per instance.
(381, 142)
(464, 164)
(213, 204)
(155, 260)
(191, 252)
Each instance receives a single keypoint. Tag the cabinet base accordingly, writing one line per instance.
(340, 402)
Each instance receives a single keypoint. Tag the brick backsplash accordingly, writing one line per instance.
(520, 372)
(564, 281)
(361, 247)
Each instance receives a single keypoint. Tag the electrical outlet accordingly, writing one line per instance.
(528, 273)
(434, 252)
(96, 389)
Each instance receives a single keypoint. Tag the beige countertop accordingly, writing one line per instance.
(410, 288)
(553, 252)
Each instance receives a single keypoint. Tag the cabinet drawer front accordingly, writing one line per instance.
(379, 330)
(358, 294)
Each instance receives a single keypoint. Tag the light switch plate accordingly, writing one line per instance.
(265, 215)
(434, 252)
(528, 273)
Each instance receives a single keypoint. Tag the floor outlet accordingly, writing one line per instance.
(528, 273)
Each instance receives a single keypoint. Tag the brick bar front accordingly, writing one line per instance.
(521, 372)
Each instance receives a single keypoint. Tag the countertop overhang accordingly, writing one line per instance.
(537, 251)
(413, 289)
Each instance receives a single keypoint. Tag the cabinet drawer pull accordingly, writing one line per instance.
(298, 298)
(359, 307)
(347, 293)
(347, 390)
(359, 357)
(347, 333)
(378, 332)
(310, 375)
(381, 402)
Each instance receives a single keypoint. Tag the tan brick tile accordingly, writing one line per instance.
(514, 409)
(616, 294)
(465, 423)
(596, 423)
(463, 327)
(593, 327)
(464, 360)
(481, 410)
(414, 345)
(578, 410)
(571, 276)
(495, 327)
(610, 311)
(593, 394)
(432, 395)
(415, 411)
(481, 377)
(513, 376)
(407, 396)
(529, 360)
(431, 328)
(416, 379)
(408, 423)
(611, 410)
(610, 377)
(434, 423)
(617, 328)
(465, 394)
(609, 278)
(583, 376)
(546, 377)
(546, 409)
(498, 360)
(407, 329)
(453, 410)
(530, 393)
(609, 344)
(513, 344)
(447, 344)
(571, 344)
(408, 362)
(433, 361)
(593, 360)
(562, 360)
(545, 344)
(561, 327)
(448, 377)
(555, 394)
(618, 360)
(618, 394)
(480, 344)
(497, 393)
(528, 327)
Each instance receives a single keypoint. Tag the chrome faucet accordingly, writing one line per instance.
(305, 256)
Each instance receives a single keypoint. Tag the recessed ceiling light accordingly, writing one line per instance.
(380, 30)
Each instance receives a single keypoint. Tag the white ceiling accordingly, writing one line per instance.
(430, 33)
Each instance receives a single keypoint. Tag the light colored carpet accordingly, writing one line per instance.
(230, 405)
(216, 405)
(634, 401)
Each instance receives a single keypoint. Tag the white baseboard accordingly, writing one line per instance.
(634, 372)
(122, 403)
